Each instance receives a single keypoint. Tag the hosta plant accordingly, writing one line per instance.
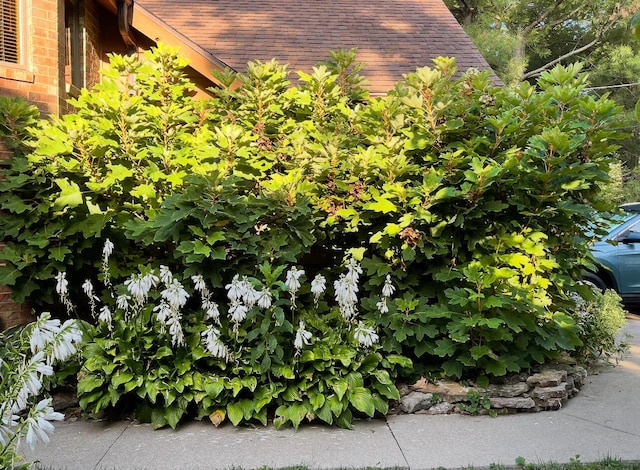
(247, 350)
(27, 359)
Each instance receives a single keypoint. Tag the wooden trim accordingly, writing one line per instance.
(157, 30)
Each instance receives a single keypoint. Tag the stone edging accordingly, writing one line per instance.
(547, 388)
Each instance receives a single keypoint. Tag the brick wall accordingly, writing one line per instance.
(40, 80)
(93, 50)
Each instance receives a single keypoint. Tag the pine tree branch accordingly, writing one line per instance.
(539, 70)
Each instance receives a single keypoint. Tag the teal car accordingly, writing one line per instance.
(617, 257)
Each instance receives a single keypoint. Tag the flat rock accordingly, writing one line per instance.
(547, 378)
(545, 393)
(441, 408)
(507, 390)
(447, 390)
(416, 401)
(518, 403)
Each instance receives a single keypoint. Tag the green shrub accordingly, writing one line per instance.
(127, 145)
(601, 321)
(474, 199)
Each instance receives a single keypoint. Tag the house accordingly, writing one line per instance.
(49, 49)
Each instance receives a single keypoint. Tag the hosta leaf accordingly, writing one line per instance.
(89, 383)
(340, 387)
(235, 413)
(362, 400)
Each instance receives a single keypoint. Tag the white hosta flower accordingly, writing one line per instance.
(251, 297)
(265, 298)
(7, 423)
(365, 336)
(107, 250)
(234, 289)
(87, 287)
(198, 284)
(318, 286)
(38, 422)
(30, 380)
(175, 294)
(303, 337)
(61, 283)
(163, 312)
(175, 329)
(238, 312)
(66, 341)
(43, 332)
(212, 343)
(122, 302)
(135, 286)
(346, 293)
(105, 316)
(165, 275)
(353, 271)
(211, 310)
(382, 306)
(40, 366)
(293, 280)
(388, 288)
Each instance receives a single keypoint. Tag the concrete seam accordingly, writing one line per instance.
(601, 425)
(404, 457)
(97, 466)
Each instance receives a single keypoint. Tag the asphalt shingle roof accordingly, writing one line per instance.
(393, 37)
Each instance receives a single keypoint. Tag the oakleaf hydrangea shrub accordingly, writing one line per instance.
(472, 199)
(128, 144)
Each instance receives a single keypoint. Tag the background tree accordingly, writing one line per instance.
(521, 39)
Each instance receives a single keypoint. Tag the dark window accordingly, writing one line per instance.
(74, 50)
(9, 31)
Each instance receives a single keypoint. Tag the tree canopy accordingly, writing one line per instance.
(521, 39)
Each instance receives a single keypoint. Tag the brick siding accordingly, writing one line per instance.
(40, 80)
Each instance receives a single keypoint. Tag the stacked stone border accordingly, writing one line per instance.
(547, 388)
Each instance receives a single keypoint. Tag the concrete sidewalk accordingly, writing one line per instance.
(602, 420)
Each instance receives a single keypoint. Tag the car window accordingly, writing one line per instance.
(632, 227)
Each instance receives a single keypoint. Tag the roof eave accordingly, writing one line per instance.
(157, 30)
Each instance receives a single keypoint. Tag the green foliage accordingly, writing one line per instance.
(28, 355)
(624, 185)
(473, 199)
(601, 321)
(247, 370)
(128, 145)
(477, 403)
(522, 39)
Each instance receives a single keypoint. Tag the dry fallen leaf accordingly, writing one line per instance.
(217, 417)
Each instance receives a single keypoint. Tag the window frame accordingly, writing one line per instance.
(22, 38)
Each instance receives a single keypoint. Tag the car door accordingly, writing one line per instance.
(628, 257)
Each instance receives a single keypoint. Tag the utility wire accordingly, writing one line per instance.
(612, 86)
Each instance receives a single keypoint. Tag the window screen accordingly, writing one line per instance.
(9, 39)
